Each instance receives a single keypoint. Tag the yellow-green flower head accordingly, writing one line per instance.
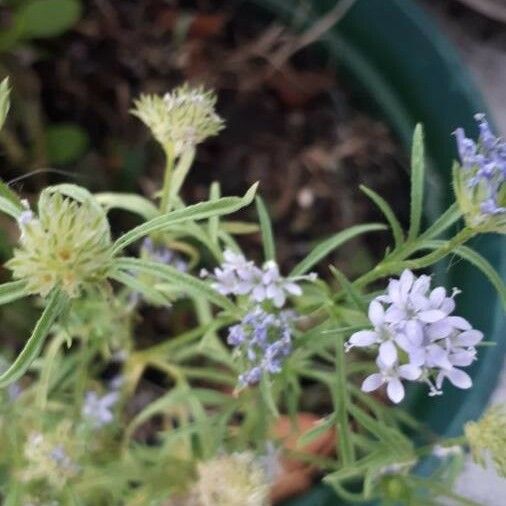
(487, 437)
(51, 457)
(68, 245)
(181, 119)
(230, 480)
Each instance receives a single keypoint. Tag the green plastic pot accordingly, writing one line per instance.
(408, 72)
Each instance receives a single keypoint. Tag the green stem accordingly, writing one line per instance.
(388, 266)
(167, 179)
(341, 400)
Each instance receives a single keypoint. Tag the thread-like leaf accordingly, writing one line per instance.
(417, 182)
(214, 221)
(225, 205)
(351, 290)
(54, 307)
(128, 202)
(478, 261)
(266, 229)
(445, 221)
(181, 281)
(388, 213)
(9, 292)
(4, 100)
(137, 285)
(330, 244)
(9, 208)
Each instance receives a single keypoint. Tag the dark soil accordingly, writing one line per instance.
(293, 128)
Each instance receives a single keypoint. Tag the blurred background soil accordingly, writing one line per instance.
(292, 123)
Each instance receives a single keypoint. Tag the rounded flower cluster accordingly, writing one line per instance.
(50, 457)
(480, 181)
(487, 438)
(264, 340)
(181, 119)
(238, 276)
(68, 245)
(417, 338)
(230, 480)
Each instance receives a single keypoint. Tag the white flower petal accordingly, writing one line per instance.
(395, 390)
(388, 353)
(414, 332)
(292, 288)
(459, 378)
(448, 305)
(459, 323)
(372, 382)
(394, 292)
(463, 358)
(421, 285)
(419, 302)
(363, 338)
(404, 343)
(439, 330)
(406, 282)
(469, 338)
(376, 313)
(410, 372)
(395, 315)
(438, 357)
(418, 357)
(437, 296)
(432, 315)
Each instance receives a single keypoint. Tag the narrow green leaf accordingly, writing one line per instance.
(9, 195)
(388, 435)
(239, 227)
(128, 202)
(266, 228)
(351, 290)
(266, 392)
(417, 182)
(445, 221)
(137, 285)
(214, 221)
(183, 282)
(5, 91)
(9, 208)
(54, 307)
(316, 431)
(14, 290)
(325, 247)
(388, 213)
(478, 261)
(225, 205)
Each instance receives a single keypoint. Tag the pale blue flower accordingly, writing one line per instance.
(485, 163)
(414, 331)
(263, 340)
(98, 410)
(238, 276)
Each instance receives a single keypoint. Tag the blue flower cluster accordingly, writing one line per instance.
(264, 340)
(485, 166)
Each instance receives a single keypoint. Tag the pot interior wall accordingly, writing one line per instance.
(407, 72)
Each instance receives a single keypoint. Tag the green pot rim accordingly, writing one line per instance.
(409, 72)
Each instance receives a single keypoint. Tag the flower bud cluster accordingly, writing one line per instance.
(480, 181)
(181, 119)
